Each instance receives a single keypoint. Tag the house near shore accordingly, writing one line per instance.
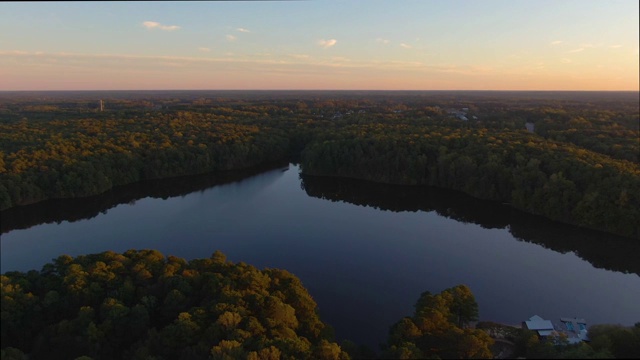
(574, 329)
(535, 323)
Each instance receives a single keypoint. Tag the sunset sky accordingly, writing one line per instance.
(321, 44)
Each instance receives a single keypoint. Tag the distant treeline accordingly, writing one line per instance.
(545, 177)
(578, 162)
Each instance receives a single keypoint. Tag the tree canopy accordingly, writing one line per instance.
(141, 305)
(439, 328)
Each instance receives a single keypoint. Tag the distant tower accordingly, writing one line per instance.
(101, 105)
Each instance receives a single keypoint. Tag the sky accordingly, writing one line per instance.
(321, 45)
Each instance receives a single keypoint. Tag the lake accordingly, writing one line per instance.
(364, 251)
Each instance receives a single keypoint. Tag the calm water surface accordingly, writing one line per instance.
(364, 251)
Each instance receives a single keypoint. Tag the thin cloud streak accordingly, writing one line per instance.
(299, 56)
(30, 58)
(238, 71)
(157, 25)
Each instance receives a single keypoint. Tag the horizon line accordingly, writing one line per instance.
(388, 90)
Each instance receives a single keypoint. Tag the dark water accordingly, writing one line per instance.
(364, 251)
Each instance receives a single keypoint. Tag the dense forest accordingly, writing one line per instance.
(143, 305)
(571, 157)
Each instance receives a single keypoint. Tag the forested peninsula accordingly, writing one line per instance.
(143, 305)
(569, 156)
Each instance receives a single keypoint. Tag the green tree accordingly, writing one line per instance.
(439, 328)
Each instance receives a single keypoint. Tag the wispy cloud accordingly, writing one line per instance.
(91, 60)
(204, 49)
(617, 46)
(565, 61)
(157, 25)
(300, 56)
(172, 64)
(403, 45)
(231, 38)
(327, 43)
(131, 71)
(576, 50)
(383, 41)
(557, 42)
(243, 30)
(19, 52)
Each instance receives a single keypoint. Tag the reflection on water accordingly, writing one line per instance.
(58, 210)
(602, 250)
